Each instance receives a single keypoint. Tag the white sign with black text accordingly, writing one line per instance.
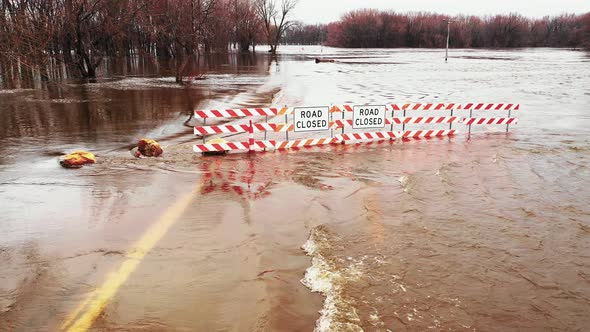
(311, 118)
(371, 116)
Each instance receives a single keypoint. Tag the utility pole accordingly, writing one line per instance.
(448, 35)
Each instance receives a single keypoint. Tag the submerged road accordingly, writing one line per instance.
(160, 253)
(430, 233)
(82, 318)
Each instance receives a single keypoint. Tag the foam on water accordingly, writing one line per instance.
(13, 91)
(324, 276)
(406, 183)
(210, 80)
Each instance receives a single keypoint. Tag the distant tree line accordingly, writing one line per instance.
(305, 34)
(81, 33)
(382, 29)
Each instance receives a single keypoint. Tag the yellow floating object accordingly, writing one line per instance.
(148, 148)
(77, 159)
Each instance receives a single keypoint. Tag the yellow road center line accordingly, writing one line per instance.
(97, 300)
(70, 318)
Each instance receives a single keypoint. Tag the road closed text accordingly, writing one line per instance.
(368, 117)
(311, 118)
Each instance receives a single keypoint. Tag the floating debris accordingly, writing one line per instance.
(77, 159)
(148, 148)
(318, 60)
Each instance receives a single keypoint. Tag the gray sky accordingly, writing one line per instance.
(325, 11)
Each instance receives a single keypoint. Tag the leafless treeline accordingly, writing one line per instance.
(305, 34)
(372, 28)
(81, 33)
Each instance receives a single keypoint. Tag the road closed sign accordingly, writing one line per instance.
(368, 117)
(311, 118)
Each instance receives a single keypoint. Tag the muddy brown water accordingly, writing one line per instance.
(486, 234)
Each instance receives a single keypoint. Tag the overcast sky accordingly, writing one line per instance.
(325, 11)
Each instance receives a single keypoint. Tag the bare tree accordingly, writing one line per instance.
(369, 28)
(93, 28)
(275, 21)
(26, 31)
(246, 23)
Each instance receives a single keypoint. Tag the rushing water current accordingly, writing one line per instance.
(487, 233)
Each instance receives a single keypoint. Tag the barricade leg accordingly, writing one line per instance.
(204, 124)
(404, 123)
(391, 128)
(451, 124)
(287, 124)
(470, 115)
(331, 119)
(251, 139)
(342, 132)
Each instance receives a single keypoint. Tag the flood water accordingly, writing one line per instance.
(490, 233)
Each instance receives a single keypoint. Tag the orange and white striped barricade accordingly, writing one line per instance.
(300, 143)
(240, 112)
(244, 180)
(368, 136)
(220, 147)
(360, 118)
(412, 114)
(427, 133)
(428, 120)
(490, 121)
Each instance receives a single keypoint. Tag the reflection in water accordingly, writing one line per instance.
(134, 98)
(17, 77)
(248, 178)
(241, 178)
